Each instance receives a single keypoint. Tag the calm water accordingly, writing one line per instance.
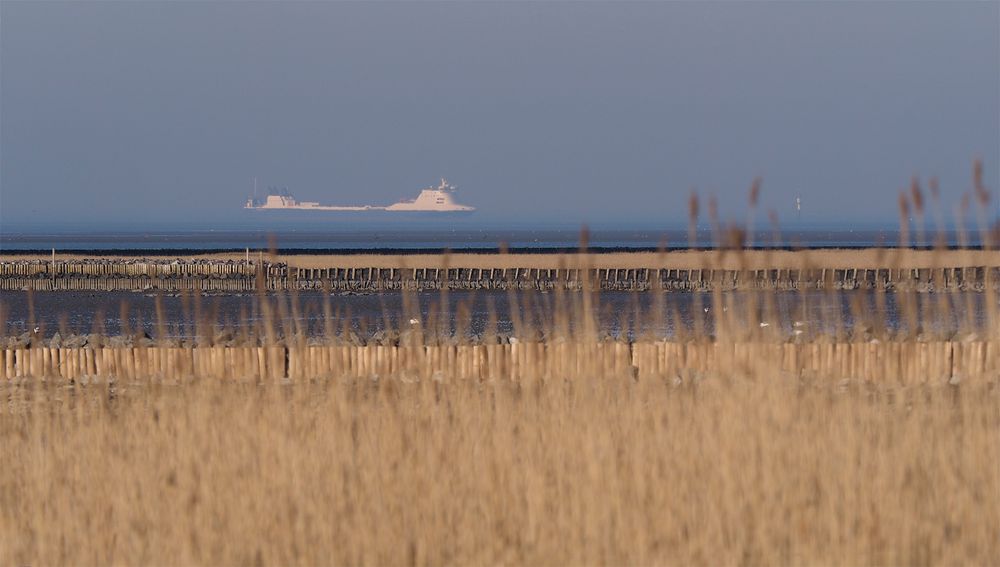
(617, 312)
(437, 236)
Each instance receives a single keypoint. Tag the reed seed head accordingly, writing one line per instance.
(755, 192)
(693, 207)
(982, 195)
(917, 196)
(736, 237)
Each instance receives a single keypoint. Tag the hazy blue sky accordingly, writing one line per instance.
(115, 111)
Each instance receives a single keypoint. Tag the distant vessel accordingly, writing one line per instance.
(432, 199)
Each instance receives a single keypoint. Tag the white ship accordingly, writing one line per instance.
(432, 199)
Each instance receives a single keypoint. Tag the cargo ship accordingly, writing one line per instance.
(438, 199)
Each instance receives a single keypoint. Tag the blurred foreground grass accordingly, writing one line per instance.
(586, 470)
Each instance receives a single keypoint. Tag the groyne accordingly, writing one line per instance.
(916, 270)
(903, 362)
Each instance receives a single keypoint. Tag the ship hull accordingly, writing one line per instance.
(356, 212)
(434, 200)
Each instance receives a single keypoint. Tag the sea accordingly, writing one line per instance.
(313, 238)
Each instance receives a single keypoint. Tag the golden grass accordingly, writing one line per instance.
(748, 469)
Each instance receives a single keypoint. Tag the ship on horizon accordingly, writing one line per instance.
(432, 200)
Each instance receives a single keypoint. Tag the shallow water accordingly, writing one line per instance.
(617, 313)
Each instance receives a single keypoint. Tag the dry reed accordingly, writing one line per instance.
(587, 469)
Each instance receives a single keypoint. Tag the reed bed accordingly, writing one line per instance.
(748, 436)
(589, 469)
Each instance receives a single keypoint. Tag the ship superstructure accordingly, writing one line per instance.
(438, 199)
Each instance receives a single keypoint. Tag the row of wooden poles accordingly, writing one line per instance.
(904, 362)
(129, 284)
(230, 277)
(278, 270)
(130, 268)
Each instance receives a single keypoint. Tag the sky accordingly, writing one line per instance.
(163, 112)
